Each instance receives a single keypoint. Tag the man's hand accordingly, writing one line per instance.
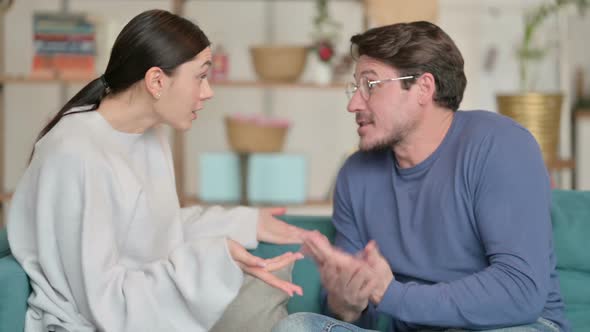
(262, 268)
(348, 280)
(380, 266)
(273, 230)
(349, 283)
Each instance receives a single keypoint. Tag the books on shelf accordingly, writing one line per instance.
(65, 45)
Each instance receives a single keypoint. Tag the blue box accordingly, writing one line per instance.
(219, 177)
(277, 178)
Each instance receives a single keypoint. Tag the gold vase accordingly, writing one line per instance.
(538, 112)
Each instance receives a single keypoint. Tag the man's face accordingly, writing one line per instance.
(385, 113)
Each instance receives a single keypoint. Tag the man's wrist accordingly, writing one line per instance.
(344, 312)
(377, 296)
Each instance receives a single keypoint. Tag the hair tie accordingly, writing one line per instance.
(106, 86)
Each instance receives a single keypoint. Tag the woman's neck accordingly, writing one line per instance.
(128, 112)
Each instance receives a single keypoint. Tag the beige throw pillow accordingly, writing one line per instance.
(257, 307)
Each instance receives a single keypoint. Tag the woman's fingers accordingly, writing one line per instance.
(318, 246)
(281, 261)
(274, 281)
(293, 234)
(242, 256)
(285, 233)
(273, 230)
(262, 268)
(276, 211)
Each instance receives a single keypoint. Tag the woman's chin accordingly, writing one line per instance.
(184, 126)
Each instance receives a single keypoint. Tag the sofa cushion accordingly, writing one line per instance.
(570, 215)
(14, 291)
(579, 317)
(575, 287)
(305, 273)
(258, 307)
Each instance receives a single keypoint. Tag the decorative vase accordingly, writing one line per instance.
(322, 73)
(538, 112)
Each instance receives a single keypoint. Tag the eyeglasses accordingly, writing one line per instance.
(366, 86)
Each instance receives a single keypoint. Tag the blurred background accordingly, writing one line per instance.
(277, 130)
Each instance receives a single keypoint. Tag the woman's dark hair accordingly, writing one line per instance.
(416, 48)
(154, 38)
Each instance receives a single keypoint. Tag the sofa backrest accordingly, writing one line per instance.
(570, 215)
(305, 273)
(571, 228)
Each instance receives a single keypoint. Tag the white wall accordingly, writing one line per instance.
(476, 26)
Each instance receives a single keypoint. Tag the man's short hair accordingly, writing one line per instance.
(413, 49)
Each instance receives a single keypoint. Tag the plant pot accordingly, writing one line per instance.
(538, 112)
(278, 63)
(244, 137)
(322, 73)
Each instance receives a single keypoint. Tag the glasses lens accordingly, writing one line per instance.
(350, 89)
(364, 86)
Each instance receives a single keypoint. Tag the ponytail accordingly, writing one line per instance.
(90, 95)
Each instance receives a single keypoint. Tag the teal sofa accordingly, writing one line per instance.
(571, 225)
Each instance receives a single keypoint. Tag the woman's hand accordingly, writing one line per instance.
(262, 268)
(273, 230)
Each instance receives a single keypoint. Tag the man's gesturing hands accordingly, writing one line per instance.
(351, 281)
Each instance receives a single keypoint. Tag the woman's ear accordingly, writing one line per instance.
(154, 81)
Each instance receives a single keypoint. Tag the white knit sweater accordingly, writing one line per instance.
(95, 222)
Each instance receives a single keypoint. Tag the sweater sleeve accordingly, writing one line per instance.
(186, 291)
(240, 224)
(512, 212)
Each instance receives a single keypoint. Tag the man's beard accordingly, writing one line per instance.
(396, 137)
(383, 144)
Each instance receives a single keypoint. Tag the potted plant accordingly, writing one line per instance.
(539, 112)
(324, 36)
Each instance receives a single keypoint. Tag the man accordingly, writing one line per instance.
(442, 217)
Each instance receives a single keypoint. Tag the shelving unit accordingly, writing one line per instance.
(178, 142)
(178, 138)
(235, 84)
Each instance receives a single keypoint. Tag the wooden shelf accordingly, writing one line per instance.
(230, 84)
(21, 79)
(267, 84)
(561, 164)
(582, 113)
(5, 197)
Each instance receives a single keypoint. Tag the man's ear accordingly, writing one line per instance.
(426, 88)
(154, 81)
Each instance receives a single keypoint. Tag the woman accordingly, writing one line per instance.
(95, 221)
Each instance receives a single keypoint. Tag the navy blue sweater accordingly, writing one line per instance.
(467, 232)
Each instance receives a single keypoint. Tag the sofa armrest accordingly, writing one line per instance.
(4, 248)
(14, 292)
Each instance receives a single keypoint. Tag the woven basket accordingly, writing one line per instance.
(246, 137)
(279, 63)
(540, 114)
